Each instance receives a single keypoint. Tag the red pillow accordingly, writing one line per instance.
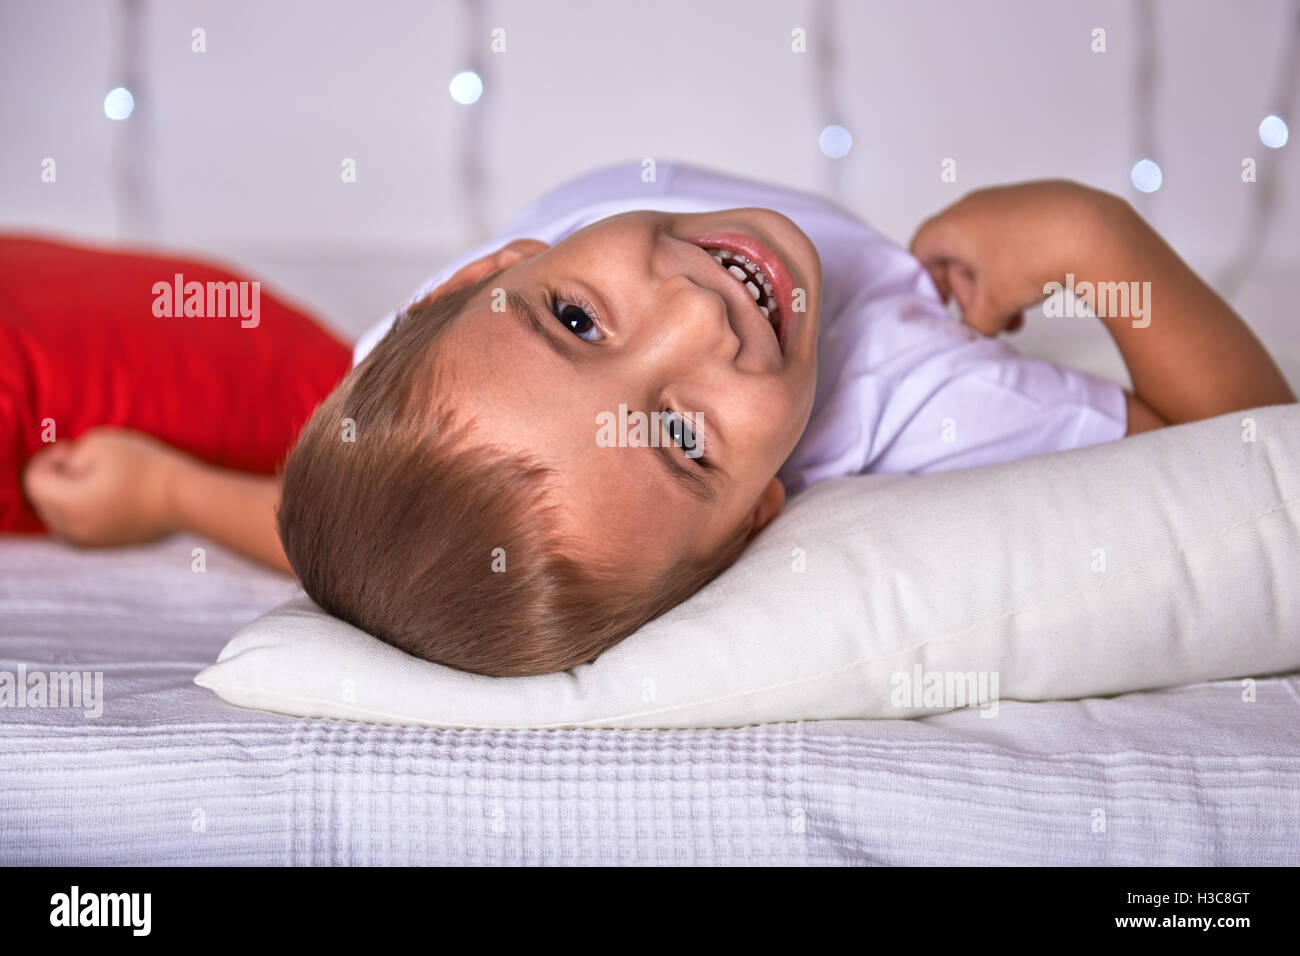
(82, 343)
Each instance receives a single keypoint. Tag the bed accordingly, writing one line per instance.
(170, 774)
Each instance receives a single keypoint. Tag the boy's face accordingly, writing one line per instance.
(632, 311)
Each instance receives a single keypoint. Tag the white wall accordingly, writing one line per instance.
(238, 149)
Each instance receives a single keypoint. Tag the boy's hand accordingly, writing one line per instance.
(109, 486)
(996, 248)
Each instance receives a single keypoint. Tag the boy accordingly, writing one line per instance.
(457, 496)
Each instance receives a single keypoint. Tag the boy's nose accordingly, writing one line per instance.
(696, 321)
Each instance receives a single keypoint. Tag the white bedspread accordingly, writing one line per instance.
(170, 774)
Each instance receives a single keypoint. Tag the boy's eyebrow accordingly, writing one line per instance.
(527, 310)
(533, 319)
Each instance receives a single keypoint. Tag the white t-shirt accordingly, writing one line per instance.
(901, 386)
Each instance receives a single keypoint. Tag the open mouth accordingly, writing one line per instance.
(754, 280)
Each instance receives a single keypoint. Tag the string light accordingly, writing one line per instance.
(119, 103)
(835, 141)
(1273, 132)
(1146, 176)
(1263, 192)
(466, 87)
(130, 164)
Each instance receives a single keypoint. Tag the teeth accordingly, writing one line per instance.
(748, 273)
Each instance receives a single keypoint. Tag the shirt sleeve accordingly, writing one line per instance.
(958, 399)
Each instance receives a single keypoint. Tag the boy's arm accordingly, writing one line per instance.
(1190, 356)
(113, 486)
(1140, 416)
(232, 508)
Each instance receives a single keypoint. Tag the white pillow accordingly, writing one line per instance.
(1167, 558)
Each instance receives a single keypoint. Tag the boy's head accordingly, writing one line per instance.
(561, 442)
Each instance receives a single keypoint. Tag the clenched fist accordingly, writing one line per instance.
(109, 486)
(997, 248)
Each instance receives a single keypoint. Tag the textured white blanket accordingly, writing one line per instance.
(170, 774)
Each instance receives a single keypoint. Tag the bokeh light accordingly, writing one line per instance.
(119, 103)
(466, 87)
(1273, 132)
(835, 141)
(1146, 176)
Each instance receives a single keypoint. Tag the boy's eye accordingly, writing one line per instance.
(576, 320)
(681, 434)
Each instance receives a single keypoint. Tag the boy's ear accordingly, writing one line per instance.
(513, 251)
(770, 503)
